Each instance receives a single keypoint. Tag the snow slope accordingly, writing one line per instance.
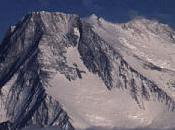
(60, 70)
(89, 103)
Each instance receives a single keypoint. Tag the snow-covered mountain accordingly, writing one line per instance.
(60, 70)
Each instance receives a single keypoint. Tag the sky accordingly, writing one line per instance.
(117, 11)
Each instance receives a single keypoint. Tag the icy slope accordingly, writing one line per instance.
(147, 46)
(59, 70)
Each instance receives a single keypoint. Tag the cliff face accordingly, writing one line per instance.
(52, 64)
(24, 100)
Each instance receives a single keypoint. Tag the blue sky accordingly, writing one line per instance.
(112, 10)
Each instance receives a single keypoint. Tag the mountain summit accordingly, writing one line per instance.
(60, 70)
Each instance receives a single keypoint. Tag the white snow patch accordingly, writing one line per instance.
(89, 102)
(76, 32)
(4, 95)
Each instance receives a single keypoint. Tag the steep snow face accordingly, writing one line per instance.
(23, 98)
(94, 66)
(89, 103)
(55, 66)
(148, 46)
(147, 39)
(152, 41)
(4, 96)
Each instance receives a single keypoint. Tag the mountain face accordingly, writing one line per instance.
(60, 70)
